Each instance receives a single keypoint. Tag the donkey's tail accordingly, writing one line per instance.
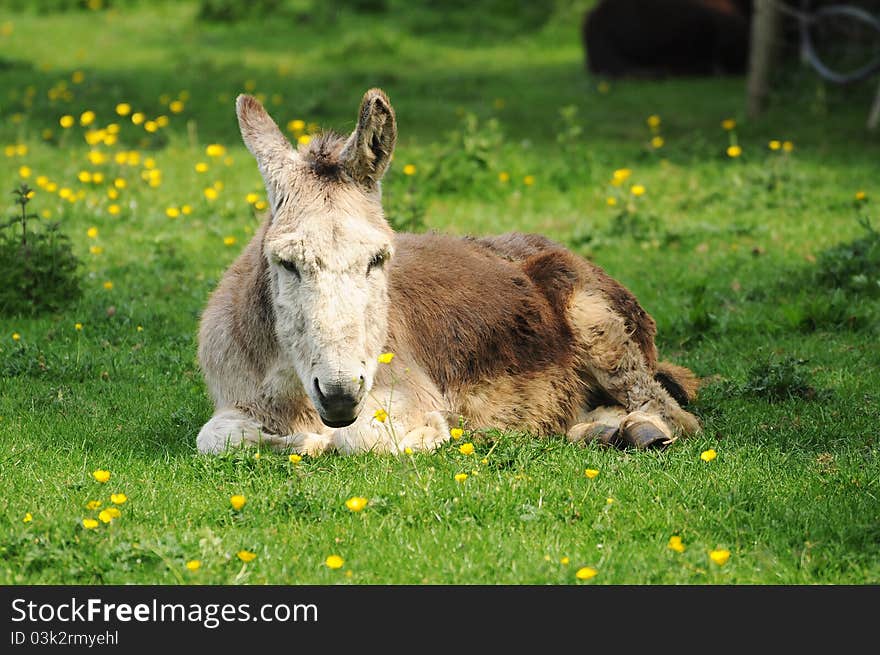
(681, 383)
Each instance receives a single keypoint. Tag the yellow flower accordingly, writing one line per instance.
(675, 544)
(66, 121)
(356, 503)
(774, 145)
(304, 139)
(380, 415)
(504, 177)
(24, 171)
(237, 502)
(734, 151)
(215, 150)
(296, 125)
(409, 169)
(140, 328)
(708, 455)
(564, 561)
(603, 87)
(787, 146)
(151, 126)
(113, 209)
(620, 176)
(186, 210)
(16, 336)
(251, 198)
(113, 512)
(137, 118)
(334, 562)
(461, 477)
(93, 504)
(84, 176)
(27, 518)
(260, 205)
(585, 573)
(92, 232)
(385, 358)
(229, 241)
(123, 109)
(105, 516)
(720, 557)
(611, 201)
(77, 77)
(176, 106)
(609, 500)
(861, 195)
(294, 458)
(211, 193)
(728, 124)
(408, 451)
(172, 212)
(89, 524)
(657, 142)
(193, 565)
(78, 327)
(201, 167)
(466, 448)
(108, 285)
(529, 180)
(87, 118)
(96, 250)
(118, 499)
(101, 475)
(653, 121)
(246, 556)
(591, 473)
(637, 190)
(456, 433)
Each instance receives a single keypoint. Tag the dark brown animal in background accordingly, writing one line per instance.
(660, 38)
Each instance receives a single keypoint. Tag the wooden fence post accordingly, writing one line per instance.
(762, 53)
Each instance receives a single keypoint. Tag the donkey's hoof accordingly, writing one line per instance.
(607, 435)
(644, 435)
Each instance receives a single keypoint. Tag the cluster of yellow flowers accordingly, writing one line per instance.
(106, 515)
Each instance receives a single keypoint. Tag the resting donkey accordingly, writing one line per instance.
(513, 332)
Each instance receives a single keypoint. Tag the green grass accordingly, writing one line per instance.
(726, 254)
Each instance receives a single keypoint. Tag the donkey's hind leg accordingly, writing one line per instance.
(229, 428)
(614, 362)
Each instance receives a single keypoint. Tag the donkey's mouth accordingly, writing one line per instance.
(344, 423)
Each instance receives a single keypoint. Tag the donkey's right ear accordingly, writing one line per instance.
(368, 151)
(261, 135)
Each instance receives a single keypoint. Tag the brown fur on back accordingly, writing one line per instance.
(521, 247)
(471, 316)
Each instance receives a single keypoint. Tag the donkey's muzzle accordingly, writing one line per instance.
(337, 405)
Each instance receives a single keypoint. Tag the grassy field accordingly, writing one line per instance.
(747, 263)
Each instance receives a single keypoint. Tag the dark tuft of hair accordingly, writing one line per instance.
(322, 155)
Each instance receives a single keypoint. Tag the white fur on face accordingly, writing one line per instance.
(331, 318)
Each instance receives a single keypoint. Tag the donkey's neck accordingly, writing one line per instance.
(255, 314)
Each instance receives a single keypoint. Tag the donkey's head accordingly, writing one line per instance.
(327, 248)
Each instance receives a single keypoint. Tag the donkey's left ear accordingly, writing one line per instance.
(261, 135)
(367, 153)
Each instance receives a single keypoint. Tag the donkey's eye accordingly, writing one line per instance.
(377, 261)
(289, 266)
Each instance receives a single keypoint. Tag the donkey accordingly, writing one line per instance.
(511, 331)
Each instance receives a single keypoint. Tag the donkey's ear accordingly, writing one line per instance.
(261, 135)
(368, 151)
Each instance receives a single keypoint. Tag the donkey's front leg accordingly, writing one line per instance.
(229, 428)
